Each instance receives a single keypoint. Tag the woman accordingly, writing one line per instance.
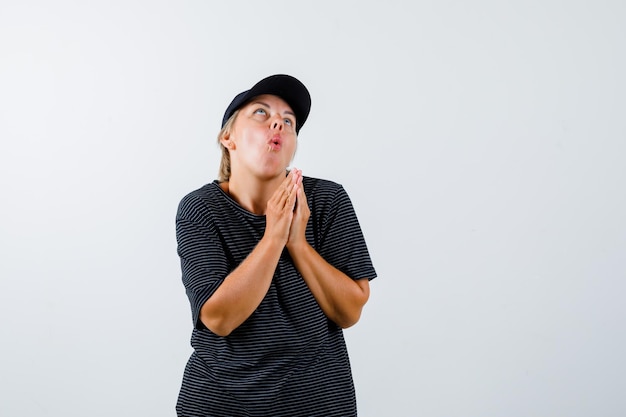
(274, 265)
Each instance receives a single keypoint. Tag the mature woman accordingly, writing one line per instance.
(275, 265)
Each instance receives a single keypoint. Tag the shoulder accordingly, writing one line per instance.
(319, 186)
(324, 195)
(198, 201)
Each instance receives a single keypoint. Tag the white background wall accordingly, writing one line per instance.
(482, 143)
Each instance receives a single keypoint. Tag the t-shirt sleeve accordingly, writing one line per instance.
(343, 244)
(203, 262)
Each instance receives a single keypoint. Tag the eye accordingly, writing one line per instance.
(260, 111)
(288, 121)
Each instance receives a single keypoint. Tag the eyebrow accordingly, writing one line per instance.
(269, 107)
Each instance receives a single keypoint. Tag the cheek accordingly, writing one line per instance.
(293, 149)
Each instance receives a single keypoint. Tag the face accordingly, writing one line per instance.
(262, 141)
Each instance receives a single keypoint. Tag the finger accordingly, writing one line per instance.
(301, 198)
(282, 191)
(290, 203)
(289, 181)
(288, 194)
(298, 174)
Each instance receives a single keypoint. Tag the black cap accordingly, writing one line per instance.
(284, 86)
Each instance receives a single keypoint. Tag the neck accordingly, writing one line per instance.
(251, 192)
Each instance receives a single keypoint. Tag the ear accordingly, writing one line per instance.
(227, 142)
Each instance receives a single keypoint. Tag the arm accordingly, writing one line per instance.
(244, 288)
(339, 296)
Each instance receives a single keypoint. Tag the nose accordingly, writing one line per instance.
(277, 123)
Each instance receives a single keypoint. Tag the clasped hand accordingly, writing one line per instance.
(287, 211)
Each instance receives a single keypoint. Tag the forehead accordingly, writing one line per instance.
(272, 101)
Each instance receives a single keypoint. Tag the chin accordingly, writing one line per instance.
(272, 174)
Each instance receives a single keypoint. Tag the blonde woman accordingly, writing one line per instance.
(275, 265)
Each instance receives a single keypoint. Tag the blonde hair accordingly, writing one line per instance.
(223, 174)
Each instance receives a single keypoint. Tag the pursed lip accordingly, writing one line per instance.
(275, 143)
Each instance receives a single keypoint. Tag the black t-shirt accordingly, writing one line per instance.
(287, 358)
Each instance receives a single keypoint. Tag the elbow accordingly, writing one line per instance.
(218, 319)
(348, 320)
(217, 325)
(351, 316)
(220, 329)
(222, 332)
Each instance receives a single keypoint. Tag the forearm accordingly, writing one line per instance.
(243, 289)
(340, 297)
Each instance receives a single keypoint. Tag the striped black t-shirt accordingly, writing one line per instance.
(287, 358)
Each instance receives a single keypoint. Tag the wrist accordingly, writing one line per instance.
(273, 243)
(297, 245)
